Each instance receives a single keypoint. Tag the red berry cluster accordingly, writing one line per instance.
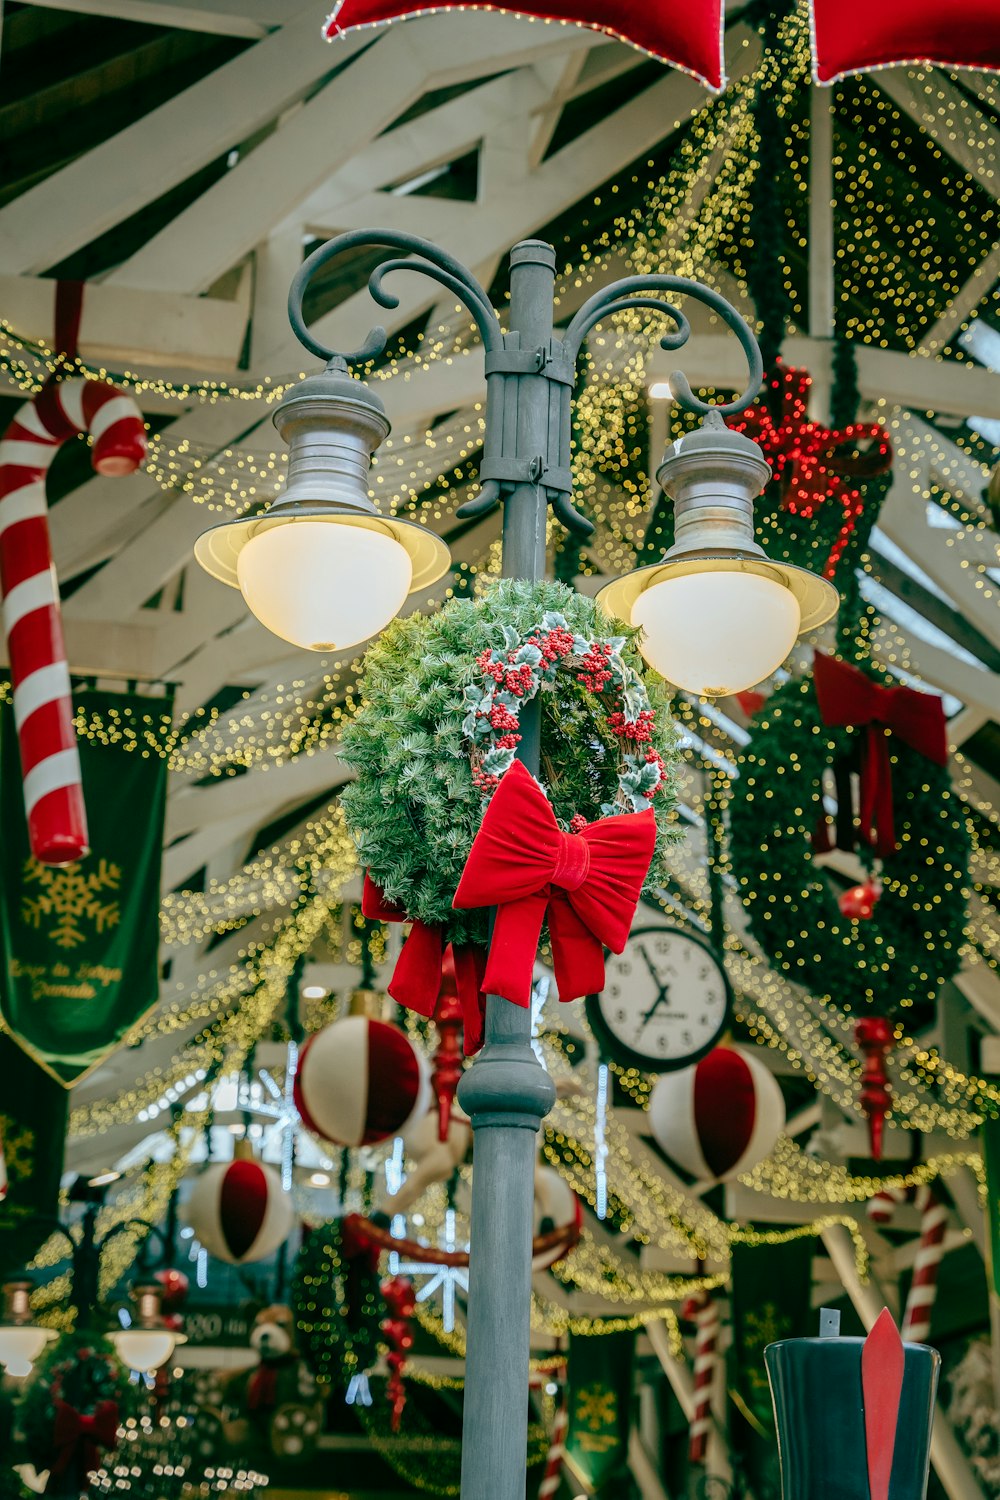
(519, 680)
(485, 781)
(594, 672)
(554, 645)
(502, 718)
(494, 669)
(640, 732)
(577, 823)
(653, 757)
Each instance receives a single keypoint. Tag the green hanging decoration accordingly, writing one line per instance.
(338, 1304)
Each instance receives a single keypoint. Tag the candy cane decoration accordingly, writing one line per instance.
(557, 1445)
(705, 1312)
(43, 703)
(933, 1226)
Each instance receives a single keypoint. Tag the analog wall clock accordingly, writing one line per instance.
(665, 1003)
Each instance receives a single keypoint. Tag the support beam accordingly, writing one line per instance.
(124, 327)
(141, 163)
(240, 18)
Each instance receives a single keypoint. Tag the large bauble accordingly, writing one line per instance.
(556, 1207)
(360, 1081)
(240, 1212)
(720, 1117)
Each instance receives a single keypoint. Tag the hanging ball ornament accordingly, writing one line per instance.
(360, 1081)
(858, 904)
(719, 1118)
(557, 1208)
(239, 1211)
(174, 1288)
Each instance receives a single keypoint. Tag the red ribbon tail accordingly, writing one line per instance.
(877, 823)
(577, 955)
(511, 963)
(375, 905)
(470, 966)
(416, 980)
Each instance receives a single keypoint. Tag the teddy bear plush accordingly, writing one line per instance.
(278, 1397)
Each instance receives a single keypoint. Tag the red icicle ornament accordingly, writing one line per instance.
(401, 1304)
(875, 1037)
(447, 1068)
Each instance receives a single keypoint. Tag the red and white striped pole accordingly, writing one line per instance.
(43, 704)
(923, 1288)
(557, 1448)
(933, 1227)
(705, 1312)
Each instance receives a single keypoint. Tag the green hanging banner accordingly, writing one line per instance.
(599, 1400)
(33, 1115)
(80, 942)
(772, 1287)
(991, 1161)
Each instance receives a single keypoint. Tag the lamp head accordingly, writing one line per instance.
(21, 1340)
(717, 614)
(148, 1343)
(322, 567)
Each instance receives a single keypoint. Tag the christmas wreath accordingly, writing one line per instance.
(72, 1409)
(338, 1303)
(909, 941)
(440, 724)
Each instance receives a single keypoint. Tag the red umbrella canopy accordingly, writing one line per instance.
(852, 36)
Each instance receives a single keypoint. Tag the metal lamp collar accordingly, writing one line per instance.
(331, 424)
(713, 475)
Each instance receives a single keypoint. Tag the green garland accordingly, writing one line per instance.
(897, 959)
(81, 1369)
(426, 764)
(338, 1306)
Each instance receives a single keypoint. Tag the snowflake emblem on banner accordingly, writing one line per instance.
(17, 1143)
(69, 898)
(596, 1407)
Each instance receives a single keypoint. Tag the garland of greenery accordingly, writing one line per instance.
(81, 1369)
(338, 1305)
(439, 724)
(897, 959)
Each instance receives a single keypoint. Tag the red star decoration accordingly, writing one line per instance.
(851, 36)
(687, 35)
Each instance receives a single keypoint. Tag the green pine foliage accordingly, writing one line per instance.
(414, 809)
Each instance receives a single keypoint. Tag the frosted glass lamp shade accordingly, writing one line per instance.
(145, 1349)
(21, 1346)
(711, 633)
(324, 585)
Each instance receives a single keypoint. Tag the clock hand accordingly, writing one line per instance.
(663, 998)
(649, 965)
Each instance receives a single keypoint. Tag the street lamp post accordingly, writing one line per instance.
(526, 467)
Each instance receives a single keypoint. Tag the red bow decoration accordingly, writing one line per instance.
(262, 1388)
(422, 974)
(79, 1439)
(585, 885)
(806, 457)
(876, 1039)
(847, 696)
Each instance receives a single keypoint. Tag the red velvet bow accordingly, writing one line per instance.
(262, 1388)
(847, 696)
(420, 973)
(586, 885)
(79, 1439)
(805, 456)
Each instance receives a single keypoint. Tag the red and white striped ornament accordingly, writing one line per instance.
(360, 1081)
(239, 1211)
(43, 704)
(720, 1117)
(704, 1312)
(556, 1207)
(933, 1227)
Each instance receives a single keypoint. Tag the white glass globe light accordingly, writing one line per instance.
(324, 585)
(144, 1349)
(21, 1346)
(712, 633)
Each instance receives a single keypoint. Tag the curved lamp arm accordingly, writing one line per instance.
(634, 292)
(432, 261)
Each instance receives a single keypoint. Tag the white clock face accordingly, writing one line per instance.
(665, 999)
